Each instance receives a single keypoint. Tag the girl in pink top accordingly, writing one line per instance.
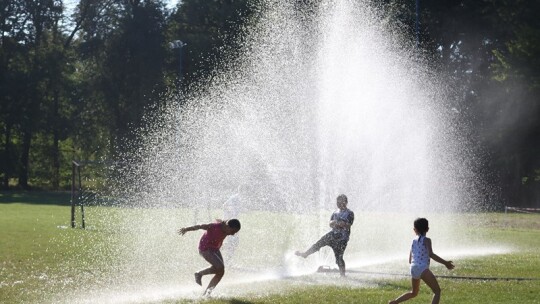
(209, 246)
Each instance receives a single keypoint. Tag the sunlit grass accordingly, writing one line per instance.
(41, 257)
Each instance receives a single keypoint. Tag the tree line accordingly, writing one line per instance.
(75, 83)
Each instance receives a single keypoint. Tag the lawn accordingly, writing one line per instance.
(42, 260)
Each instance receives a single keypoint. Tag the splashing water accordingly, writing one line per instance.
(318, 104)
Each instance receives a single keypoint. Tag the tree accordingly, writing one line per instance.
(517, 71)
(490, 51)
(124, 51)
(211, 30)
(13, 68)
(24, 31)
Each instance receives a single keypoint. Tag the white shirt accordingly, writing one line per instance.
(419, 252)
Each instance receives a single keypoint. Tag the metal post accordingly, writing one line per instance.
(79, 192)
(178, 44)
(417, 25)
(180, 72)
(82, 215)
(73, 166)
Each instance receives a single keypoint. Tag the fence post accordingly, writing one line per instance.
(73, 164)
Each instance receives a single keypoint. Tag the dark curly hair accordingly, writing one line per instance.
(234, 223)
(421, 225)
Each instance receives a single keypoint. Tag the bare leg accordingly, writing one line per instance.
(409, 295)
(325, 240)
(218, 268)
(341, 267)
(431, 281)
(198, 278)
(339, 250)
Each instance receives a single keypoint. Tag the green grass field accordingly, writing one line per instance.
(42, 260)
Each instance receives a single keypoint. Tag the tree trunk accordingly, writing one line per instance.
(7, 156)
(25, 160)
(55, 148)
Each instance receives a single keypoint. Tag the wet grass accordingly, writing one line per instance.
(39, 254)
(33, 266)
(509, 278)
(454, 292)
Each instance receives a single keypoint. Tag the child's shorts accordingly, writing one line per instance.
(417, 270)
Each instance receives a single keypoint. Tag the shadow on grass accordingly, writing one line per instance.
(237, 301)
(35, 198)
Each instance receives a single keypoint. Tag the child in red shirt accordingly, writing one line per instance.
(209, 246)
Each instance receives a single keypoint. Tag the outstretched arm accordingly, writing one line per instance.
(435, 257)
(182, 231)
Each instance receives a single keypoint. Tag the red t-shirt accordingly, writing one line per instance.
(212, 238)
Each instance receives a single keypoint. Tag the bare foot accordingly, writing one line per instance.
(198, 278)
(299, 253)
(208, 292)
